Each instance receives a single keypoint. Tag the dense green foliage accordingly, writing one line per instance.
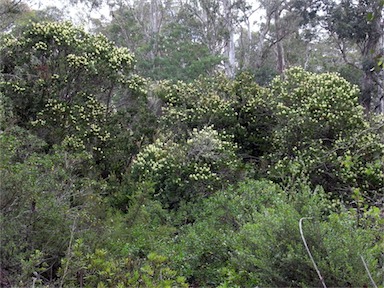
(111, 180)
(249, 235)
(61, 62)
(320, 132)
(185, 171)
(165, 48)
(239, 108)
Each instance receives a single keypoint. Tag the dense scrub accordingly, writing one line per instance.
(112, 180)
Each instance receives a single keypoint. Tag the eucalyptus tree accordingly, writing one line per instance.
(186, 37)
(358, 25)
(167, 47)
(218, 23)
(282, 24)
(10, 11)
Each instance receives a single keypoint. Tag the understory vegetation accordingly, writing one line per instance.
(110, 179)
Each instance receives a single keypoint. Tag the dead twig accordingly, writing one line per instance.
(369, 273)
(309, 252)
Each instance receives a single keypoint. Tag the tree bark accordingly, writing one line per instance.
(279, 44)
(230, 40)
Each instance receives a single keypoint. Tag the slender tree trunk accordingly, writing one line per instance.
(370, 94)
(367, 90)
(230, 41)
(279, 45)
(153, 22)
(231, 55)
(244, 61)
(261, 43)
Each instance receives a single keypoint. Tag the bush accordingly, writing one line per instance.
(207, 248)
(98, 269)
(238, 107)
(187, 170)
(312, 106)
(129, 251)
(59, 61)
(322, 134)
(40, 199)
(271, 253)
(249, 236)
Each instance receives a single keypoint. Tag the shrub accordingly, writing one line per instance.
(98, 269)
(322, 134)
(249, 236)
(129, 251)
(312, 106)
(40, 198)
(197, 167)
(238, 107)
(59, 61)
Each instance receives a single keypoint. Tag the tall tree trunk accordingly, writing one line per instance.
(373, 80)
(231, 65)
(153, 29)
(230, 40)
(370, 49)
(279, 44)
(244, 61)
(262, 40)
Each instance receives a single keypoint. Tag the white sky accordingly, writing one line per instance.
(78, 13)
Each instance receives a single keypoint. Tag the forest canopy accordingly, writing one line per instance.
(171, 145)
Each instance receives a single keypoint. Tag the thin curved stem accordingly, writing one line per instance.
(309, 252)
(369, 273)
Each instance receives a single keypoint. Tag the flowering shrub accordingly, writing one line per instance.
(196, 104)
(203, 163)
(322, 134)
(238, 107)
(77, 126)
(59, 61)
(312, 106)
(67, 84)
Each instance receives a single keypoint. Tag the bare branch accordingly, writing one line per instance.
(369, 273)
(309, 252)
(343, 53)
